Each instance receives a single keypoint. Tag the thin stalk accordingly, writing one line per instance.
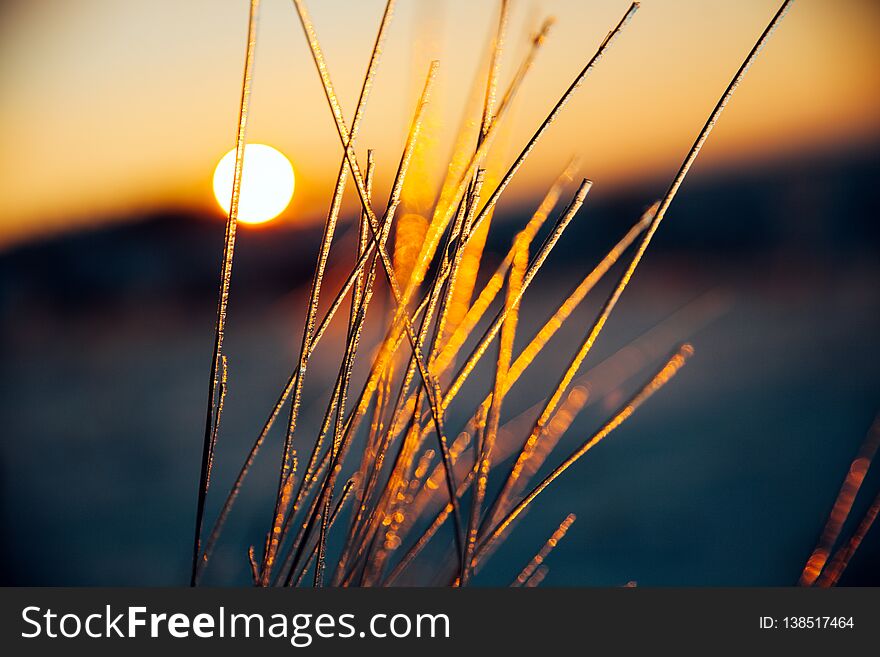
(377, 232)
(531, 272)
(493, 418)
(661, 378)
(831, 575)
(625, 277)
(533, 565)
(225, 279)
(315, 292)
(842, 505)
(431, 387)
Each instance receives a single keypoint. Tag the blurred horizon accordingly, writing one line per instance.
(121, 109)
(725, 479)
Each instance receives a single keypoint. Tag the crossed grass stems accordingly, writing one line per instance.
(411, 477)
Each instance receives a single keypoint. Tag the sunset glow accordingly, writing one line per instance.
(267, 183)
(675, 53)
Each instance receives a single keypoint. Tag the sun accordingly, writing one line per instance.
(267, 183)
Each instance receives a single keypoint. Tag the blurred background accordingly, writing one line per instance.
(116, 113)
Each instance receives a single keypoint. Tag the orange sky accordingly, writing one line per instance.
(115, 107)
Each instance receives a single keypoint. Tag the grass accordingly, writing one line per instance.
(824, 567)
(388, 471)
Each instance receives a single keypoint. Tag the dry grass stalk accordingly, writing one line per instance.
(212, 419)
(819, 571)
(402, 489)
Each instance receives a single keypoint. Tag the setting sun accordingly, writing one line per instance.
(267, 183)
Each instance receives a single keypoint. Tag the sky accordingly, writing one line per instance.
(113, 109)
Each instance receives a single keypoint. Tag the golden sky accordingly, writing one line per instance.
(111, 108)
